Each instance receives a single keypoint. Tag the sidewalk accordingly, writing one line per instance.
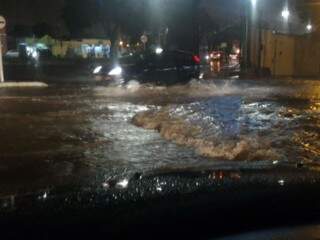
(23, 85)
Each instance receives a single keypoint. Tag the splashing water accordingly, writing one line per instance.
(67, 135)
(257, 123)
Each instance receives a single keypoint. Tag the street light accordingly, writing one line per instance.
(309, 27)
(254, 3)
(285, 14)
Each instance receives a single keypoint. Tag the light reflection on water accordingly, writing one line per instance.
(84, 135)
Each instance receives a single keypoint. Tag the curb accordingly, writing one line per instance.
(23, 84)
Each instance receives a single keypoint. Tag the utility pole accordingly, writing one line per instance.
(1, 62)
(246, 36)
(196, 26)
(2, 27)
(259, 39)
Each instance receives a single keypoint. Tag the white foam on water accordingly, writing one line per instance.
(203, 89)
(214, 145)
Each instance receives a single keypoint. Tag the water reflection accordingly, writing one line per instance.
(221, 175)
(281, 182)
(215, 66)
(123, 183)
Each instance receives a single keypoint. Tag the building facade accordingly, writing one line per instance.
(289, 52)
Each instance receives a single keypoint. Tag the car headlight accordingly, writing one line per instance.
(97, 70)
(115, 71)
(159, 50)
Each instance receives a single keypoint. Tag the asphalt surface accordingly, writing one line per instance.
(73, 163)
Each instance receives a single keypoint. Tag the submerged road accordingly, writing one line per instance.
(83, 134)
(71, 147)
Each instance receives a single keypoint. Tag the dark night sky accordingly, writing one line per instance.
(31, 12)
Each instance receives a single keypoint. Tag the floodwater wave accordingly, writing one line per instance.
(183, 133)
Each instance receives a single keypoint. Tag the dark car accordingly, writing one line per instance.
(158, 67)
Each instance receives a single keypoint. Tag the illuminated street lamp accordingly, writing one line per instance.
(309, 27)
(285, 14)
(121, 43)
(254, 3)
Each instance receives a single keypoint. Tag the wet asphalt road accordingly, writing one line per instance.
(70, 135)
(74, 146)
(82, 134)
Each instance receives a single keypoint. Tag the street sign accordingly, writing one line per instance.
(144, 39)
(2, 22)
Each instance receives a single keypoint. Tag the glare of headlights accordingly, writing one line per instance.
(35, 54)
(97, 70)
(115, 71)
(159, 50)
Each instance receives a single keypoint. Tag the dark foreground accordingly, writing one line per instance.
(186, 204)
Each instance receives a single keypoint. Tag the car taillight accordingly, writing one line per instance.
(196, 59)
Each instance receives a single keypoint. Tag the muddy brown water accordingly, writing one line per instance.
(83, 134)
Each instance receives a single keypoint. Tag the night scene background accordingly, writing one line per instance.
(138, 118)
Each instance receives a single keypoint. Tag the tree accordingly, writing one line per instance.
(121, 17)
(42, 29)
(132, 17)
(20, 31)
(117, 17)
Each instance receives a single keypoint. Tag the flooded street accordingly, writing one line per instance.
(71, 135)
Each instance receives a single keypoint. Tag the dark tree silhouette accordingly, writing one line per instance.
(42, 29)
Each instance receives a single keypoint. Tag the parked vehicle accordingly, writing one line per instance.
(217, 55)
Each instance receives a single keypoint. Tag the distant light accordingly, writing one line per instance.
(121, 43)
(115, 72)
(254, 2)
(97, 70)
(207, 57)
(285, 14)
(128, 45)
(238, 51)
(159, 50)
(309, 27)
